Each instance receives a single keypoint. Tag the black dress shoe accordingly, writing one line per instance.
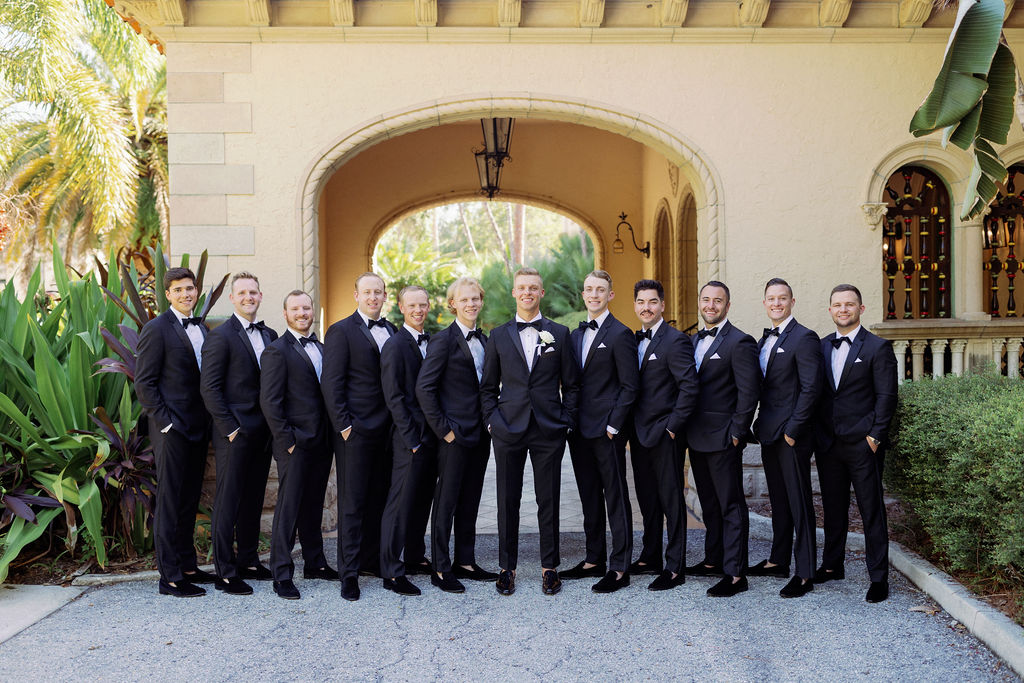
(447, 582)
(878, 592)
(506, 583)
(665, 581)
(421, 566)
(726, 588)
(350, 589)
(762, 569)
(610, 582)
(475, 573)
(181, 589)
(233, 586)
(199, 576)
(796, 588)
(702, 568)
(325, 573)
(286, 589)
(256, 572)
(821, 575)
(370, 571)
(581, 572)
(402, 586)
(639, 567)
(550, 583)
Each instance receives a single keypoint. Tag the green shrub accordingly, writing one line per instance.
(957, 458)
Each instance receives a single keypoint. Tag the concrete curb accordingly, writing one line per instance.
(989, 625)
(22, 606)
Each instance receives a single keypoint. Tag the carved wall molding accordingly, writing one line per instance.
(753, 13)
(342, 13)
(833, 13)
(172, 12)
(873, 213)
(673, 12)
(426, 12)
(913, 13)
(591, 13)
(258, 12)
(510, 12)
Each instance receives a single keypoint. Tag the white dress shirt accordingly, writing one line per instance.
(530, 338)
(416, 335)
(840, 355)
(642, 348)
(476, 348)
(380, 332)
(255, 338)
(769, 344)
(195, 335)
(590, 333)
(313, 351)
(701, 347)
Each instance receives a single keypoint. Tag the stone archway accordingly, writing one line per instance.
(698, 172)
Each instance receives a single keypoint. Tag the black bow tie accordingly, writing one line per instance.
(373, 323)
(475, 333)
(838, 341)
(522, 326)
(589, 325)
(185, 322)
(642, 334)
(256, 326)
(707, 333)
(422, 339)
(311, 339)
(770, 332)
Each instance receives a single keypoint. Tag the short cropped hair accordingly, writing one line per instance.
(601, 274)
(244, 275)
(649, 284)
(845, 288)
(174, 274)
(412, 288)
(716, 283)
(295, 292)
(525, 270)
(453, 289)
(778, 281)
(370, 273)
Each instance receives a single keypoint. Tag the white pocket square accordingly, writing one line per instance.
(716, 357)
(857, 361)
(654, 356)
(780, 350)
(549, 349)
(601, 346)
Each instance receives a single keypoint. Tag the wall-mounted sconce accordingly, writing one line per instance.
(617, 245)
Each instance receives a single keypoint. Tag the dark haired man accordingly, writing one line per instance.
(790, 358)
(666, 398)
(730, 381)
(167, 382)
(857, 404)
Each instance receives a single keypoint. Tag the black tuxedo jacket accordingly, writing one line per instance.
(730, 383)
(511, 392)
(351, 378)
(400, 363)
(866, 399)
(448, 390)
(167, 377)
(230, 382)
(609, 378)
(791, 386)
(668, 387)
(290, 397)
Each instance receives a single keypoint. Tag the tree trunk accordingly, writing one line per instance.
(518, 219)
(501, 240)
(434, 232)
(469, 234)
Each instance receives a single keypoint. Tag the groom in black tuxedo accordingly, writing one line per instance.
(605, 351)
(730, 382)
(790, 358)
(857, 404)
(167, 383)
(355, 402)
(528, 363)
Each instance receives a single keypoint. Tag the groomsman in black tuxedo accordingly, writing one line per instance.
(448, 390)
(730, 381)
(790, 358)
(528, 363)
(291, 368)
(355, 403)
(667, 397)
(231, 391)
(414, 464)
(167, 383)
(857, 404)
(607, 356)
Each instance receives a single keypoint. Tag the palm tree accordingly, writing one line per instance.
(82, 129)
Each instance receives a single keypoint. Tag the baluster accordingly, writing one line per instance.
(917, 348)
(908, 266)
(938, 347)
(899, 347)
(1011, 266)
(942, 259)
(892, 266)
(958, 346)
(924, 270)
(997, 354)
(1013, 358)
(994, 267)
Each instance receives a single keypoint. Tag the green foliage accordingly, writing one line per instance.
(958, 458)
(972, 98)
(401, 266)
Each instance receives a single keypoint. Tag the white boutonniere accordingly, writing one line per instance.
(546, 338)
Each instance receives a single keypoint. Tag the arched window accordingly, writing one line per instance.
(916, 246)
(662, 247)
(1001, 225)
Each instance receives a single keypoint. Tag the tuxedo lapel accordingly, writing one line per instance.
(517, 343)
(851, 357)
(358, 320)
(461, 342)
(244, 336)
(297, 346)
(649, 351)
(826, 351)
(577, 344)
(778, 345)
(602, 332)
(179, 330)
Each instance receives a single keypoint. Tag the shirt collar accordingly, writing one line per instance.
(601, 318)
(720, 324)
(784, 323)
(852, 334)
(521, 320)
(245, 323)
(465, 330)
(654, 328)
(366, 318)
(412, 330)
(298, 335)
(179, 316)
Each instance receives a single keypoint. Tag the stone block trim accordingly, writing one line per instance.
(195, 87)
(209, 117)
(209, 57)
(218, 240)
(195, 148)
(211, 179)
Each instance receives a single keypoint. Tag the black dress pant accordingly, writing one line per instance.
(364, 477)
(242, 468)
(719, 479)
(658, 490)
(403, 515)
(546, 457)
(180, 464)
(787, 469)
(600, 468)
(302, 479)
(460, 485)
(419, 517)
(838, 467)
